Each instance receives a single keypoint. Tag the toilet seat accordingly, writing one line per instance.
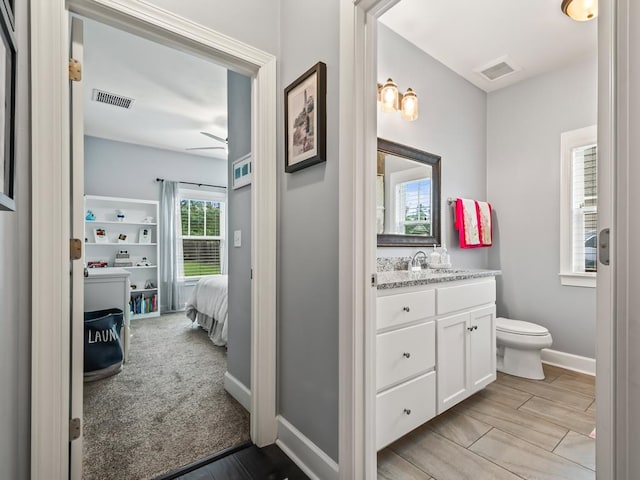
(519, 327)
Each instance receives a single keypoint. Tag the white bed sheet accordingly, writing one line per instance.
(207, 305)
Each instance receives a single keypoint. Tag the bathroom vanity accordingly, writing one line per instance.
(435, 344)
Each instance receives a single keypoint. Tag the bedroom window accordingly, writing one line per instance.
(579, 214)
(203, 243)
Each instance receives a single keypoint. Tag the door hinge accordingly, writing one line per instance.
(75, 248)
(75, 70)
(374, 280)
(603, 246)
(74, 429)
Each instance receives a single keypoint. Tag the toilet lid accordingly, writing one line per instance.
(519, 327)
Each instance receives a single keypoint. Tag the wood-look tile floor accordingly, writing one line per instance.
(513, 429)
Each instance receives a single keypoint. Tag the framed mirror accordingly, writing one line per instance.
(407, 196)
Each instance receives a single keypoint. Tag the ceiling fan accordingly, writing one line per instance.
(215, 137)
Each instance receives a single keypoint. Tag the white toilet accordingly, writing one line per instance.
(518, 347)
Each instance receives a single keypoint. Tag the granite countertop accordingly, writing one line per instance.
(405, 278)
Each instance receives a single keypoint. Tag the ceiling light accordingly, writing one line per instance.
(580, 10)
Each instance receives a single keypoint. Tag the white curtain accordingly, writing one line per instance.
(170, 247)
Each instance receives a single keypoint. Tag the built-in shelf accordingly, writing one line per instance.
(131, 250)
(121, 244)
(98, 222)
(136, 316)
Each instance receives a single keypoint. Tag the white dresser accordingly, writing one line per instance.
(106, 288)
(435, 346)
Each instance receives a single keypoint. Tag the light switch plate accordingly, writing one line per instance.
(237, 238)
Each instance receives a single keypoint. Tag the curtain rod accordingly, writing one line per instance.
(195, 183)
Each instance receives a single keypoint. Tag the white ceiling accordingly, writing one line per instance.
(467, 34)
(177, 95)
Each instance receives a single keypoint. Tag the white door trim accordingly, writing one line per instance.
(50, 206)
(357, 239)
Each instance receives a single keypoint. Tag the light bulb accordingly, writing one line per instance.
(389, 96)
(410, 105)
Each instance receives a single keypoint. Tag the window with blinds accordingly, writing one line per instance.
(202, 236)
(579, 207)
(413, 203)
(584, 202)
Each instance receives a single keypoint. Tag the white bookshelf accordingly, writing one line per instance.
(139, 215)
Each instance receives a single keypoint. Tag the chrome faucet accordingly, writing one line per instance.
(416, 265)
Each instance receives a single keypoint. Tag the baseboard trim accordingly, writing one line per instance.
(569, 361)
(316, 464)
(237, 390)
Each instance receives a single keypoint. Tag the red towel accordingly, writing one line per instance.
(473, 222)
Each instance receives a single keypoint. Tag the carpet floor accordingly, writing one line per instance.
(167, 408)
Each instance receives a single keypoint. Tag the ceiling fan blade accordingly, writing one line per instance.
(205, 148)
(215, 137)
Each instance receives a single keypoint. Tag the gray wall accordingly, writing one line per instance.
(15, 287)
(239, 218)
(118, 169)
(524, 126)
(452, 123)
(308, 240)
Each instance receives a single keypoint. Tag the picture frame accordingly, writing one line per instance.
(305, 116)
(8, 54)
(242, 172)
(100, 235)
(144, 235)
(122, 238)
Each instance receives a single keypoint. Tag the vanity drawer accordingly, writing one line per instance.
(460, 297)
(402, 308)
(403, 353)
(405, 407)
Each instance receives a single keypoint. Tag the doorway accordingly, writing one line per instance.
(51, 397)
(363, 76)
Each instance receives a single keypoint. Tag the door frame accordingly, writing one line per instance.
(50, 131)
(358, 246)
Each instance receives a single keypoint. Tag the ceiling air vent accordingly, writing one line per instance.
(111, 99)
(498, 68)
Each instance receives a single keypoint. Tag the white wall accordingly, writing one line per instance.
(523, 150)
(15, 285)
(118, 169)
(452, 124)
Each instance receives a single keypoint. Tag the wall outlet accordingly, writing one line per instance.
(237, 238)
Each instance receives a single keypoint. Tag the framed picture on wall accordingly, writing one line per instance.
(305, 112)
(241, 169)
(8, 53)
(100, 235)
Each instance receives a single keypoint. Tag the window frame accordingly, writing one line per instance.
(406, 176)
(582, 137)
(212, 196)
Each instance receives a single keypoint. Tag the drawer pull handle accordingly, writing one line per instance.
(407, 411)
(406, 355)
(470, 329)
(406, 309)
(475, 327)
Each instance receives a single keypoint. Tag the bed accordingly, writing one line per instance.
(207, 306)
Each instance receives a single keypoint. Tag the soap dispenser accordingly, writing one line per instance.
(445, 259)
(434, 257)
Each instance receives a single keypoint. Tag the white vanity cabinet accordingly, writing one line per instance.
(435, 346)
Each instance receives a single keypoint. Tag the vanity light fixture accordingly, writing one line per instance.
(580, 10)
(391, 100)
